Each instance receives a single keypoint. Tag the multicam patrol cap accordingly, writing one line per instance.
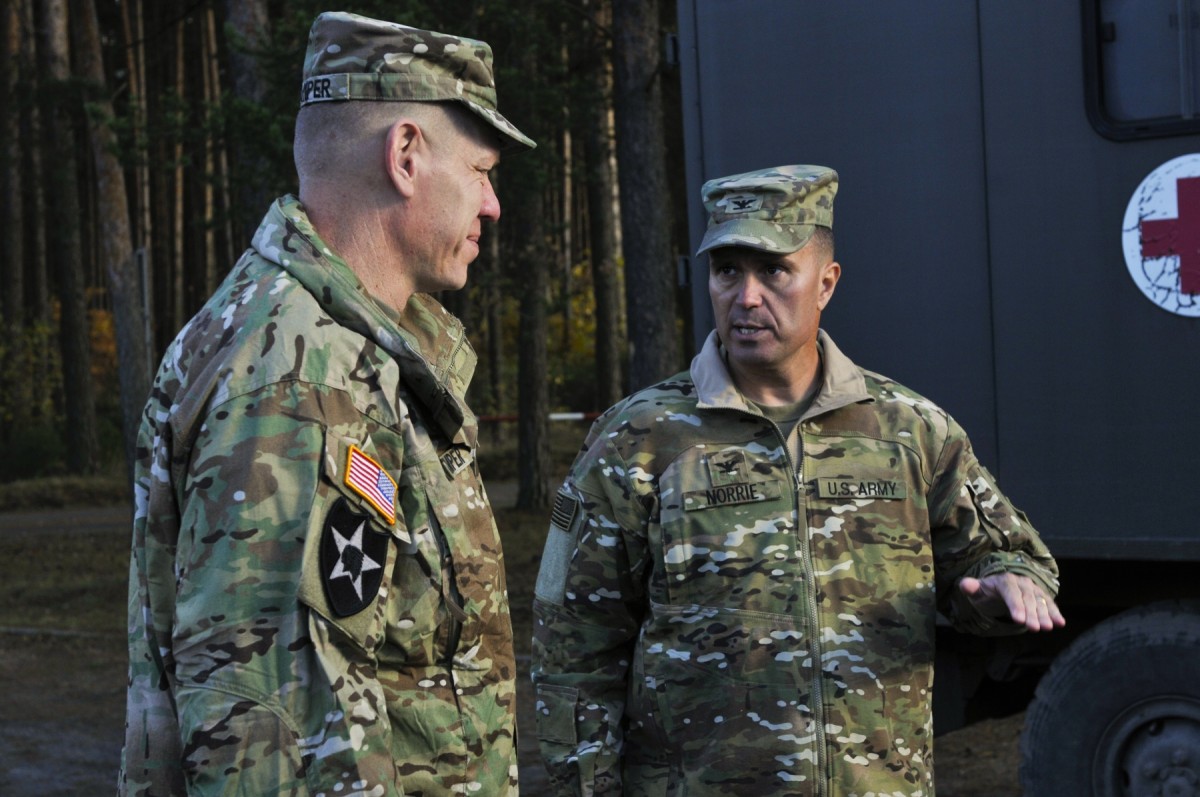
(357, 58)
(775, 210)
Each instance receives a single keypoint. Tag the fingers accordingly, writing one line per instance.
(1048, 614)
(1028, 603)
(969, 586)
(1024, 600)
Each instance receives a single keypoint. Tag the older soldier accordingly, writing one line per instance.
(317, 597)
(740, 583)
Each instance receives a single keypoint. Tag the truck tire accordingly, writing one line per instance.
(1118, 713)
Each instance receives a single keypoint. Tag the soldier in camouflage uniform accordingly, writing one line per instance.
(743, 569)
(317, 598)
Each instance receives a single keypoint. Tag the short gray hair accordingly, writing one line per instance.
(331, 138)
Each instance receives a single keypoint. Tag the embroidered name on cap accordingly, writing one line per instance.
(367, 477)
(317, 89)
(861, 488)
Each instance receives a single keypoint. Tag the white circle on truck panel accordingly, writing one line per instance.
(1161, 236)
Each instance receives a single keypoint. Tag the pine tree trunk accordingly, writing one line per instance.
(527, 229)
(157, 16)
(207, 241)
(36, 258)
(178, 185)
(115, 238)
(220, 161)
(602, 219)
(533, 394)
(133, 23)
(645, 199)
(14, 404)
(64, 219)
(566, 222)
(12, 220)
(251, 31)
(495, 334)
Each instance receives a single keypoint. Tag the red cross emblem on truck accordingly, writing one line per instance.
(1179, 236)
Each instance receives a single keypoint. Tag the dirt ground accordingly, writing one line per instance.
(62, 694)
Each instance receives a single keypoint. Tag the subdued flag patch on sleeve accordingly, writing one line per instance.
(565, 507)
(560, 546)
(367, 477)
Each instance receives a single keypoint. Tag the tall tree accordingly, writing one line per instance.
(14, 346)
(218, 259)
(179, 185)
(64, 219)
(116, 241)
(602, 213)
(531, 183)
(12, 220)
(566, 216)
(39, 384)
(493, 302)
(33, 172)
(249, 30)
(533, 395)
(133, 29)
(645, 198)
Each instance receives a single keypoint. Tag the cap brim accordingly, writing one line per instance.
(765, 236)
(510, 138)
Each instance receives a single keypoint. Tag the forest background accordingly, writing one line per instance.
(142, 141)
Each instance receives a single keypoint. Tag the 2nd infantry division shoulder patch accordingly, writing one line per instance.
(352, 559)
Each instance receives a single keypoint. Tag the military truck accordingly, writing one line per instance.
(1019, 230)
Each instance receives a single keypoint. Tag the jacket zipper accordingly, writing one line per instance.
(810, 574)
(451, 596)
(810, 577)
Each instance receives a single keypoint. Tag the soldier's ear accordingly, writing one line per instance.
(402, 155)
(830, 274)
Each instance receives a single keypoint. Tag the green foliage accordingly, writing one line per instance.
(33, 377)
(32, 423)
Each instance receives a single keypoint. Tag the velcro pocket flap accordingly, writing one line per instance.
(555, 713)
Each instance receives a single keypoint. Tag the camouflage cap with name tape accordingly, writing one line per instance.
(351, 57)
(775, 210)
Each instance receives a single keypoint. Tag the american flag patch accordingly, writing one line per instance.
(366, 477)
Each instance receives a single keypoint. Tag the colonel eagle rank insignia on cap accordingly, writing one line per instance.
(775, 210)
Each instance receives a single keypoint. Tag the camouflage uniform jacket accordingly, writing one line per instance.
(713, 618)
(317, 597)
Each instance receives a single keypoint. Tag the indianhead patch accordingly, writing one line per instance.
(352, 559)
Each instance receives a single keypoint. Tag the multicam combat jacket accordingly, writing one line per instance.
(714, 618)
(317, 597)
